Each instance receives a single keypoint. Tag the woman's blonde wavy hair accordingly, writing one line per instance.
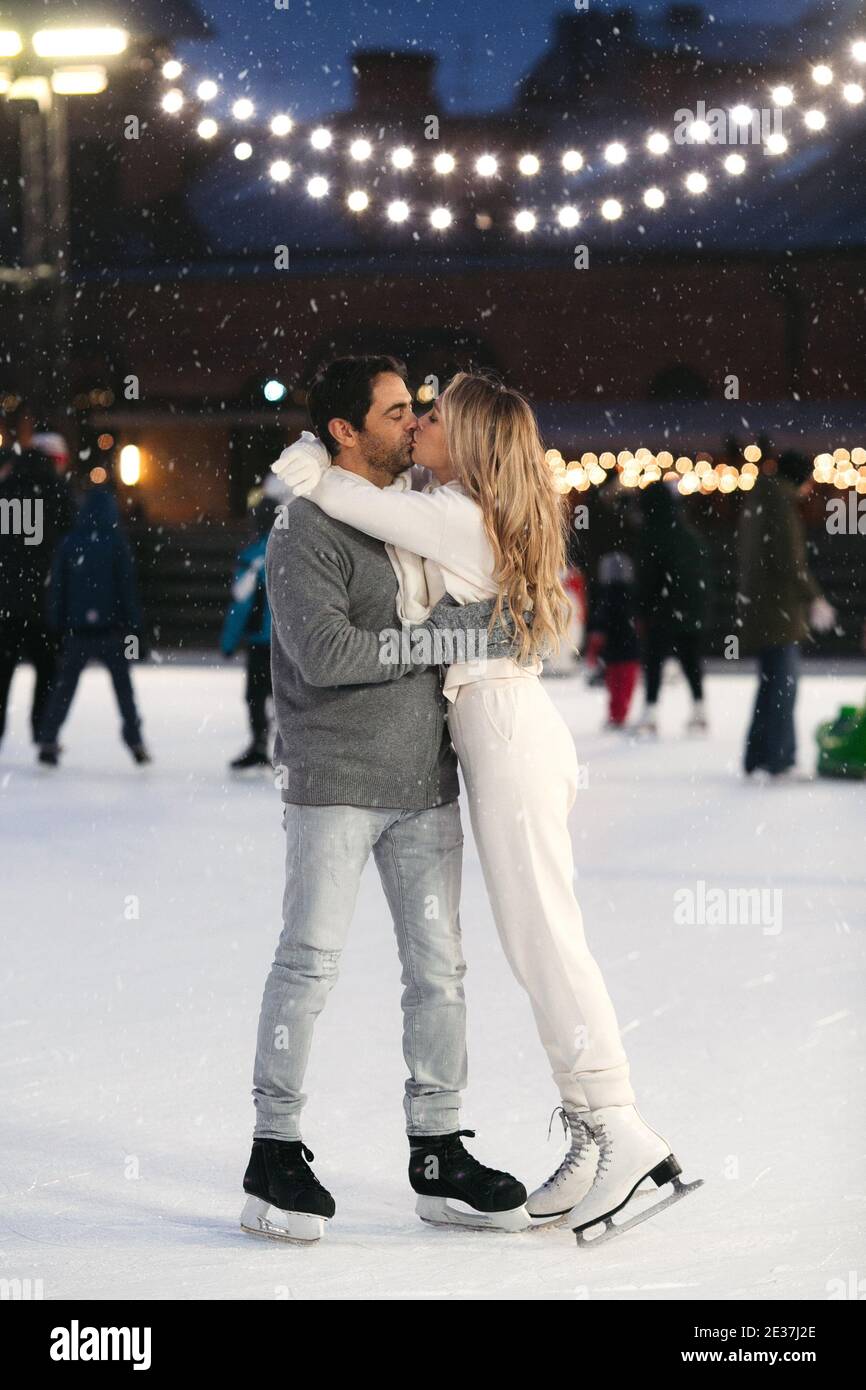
(497, 455)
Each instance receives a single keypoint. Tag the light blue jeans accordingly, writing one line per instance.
(419, 856)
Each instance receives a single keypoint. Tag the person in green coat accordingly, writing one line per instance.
(778, 601)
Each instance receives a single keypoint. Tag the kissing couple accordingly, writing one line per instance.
(367, 747)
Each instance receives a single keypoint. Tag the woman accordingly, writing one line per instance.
(494, 528)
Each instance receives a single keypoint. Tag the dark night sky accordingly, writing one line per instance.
(297, 57)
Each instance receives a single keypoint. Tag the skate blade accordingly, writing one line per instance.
(294, 1227)
(611, 1228)
(557, 1218)
(442, 1211)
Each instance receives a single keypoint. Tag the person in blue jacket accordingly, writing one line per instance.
(248, 623)
(93, 607)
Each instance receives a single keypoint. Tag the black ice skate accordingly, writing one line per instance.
(254, 756)
(454, 1189)
(285, 1199)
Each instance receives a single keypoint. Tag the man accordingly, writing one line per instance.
(35, 510)
(366, 767)
(779, 601)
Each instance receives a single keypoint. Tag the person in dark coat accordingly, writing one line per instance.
(36, 509)
(672, 599)
(612, 629)
(93, 606)
(778, 599)
(248, 623)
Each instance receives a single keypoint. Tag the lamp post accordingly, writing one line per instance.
(40, 71)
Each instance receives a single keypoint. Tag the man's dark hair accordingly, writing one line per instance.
(343, 390)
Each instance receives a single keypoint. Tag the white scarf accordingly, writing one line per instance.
(419, 584)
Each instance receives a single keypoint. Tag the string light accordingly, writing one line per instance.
(358, 201)
(840, 469)
(280, 170)
(525, 220)
(398, 211)
(317, 186)
(530, 164)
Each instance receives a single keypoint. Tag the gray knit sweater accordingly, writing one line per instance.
(351, 729)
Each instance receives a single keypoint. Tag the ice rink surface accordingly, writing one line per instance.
(140, 913)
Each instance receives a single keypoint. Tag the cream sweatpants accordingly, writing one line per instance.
(520, 769)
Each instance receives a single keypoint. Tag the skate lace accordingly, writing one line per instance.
(604, 1144)
(471, 1164)
(295, 1161)
(581, 1137)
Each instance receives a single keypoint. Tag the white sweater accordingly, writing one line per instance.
(441, 525)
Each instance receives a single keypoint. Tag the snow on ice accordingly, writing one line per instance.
(141, 912)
